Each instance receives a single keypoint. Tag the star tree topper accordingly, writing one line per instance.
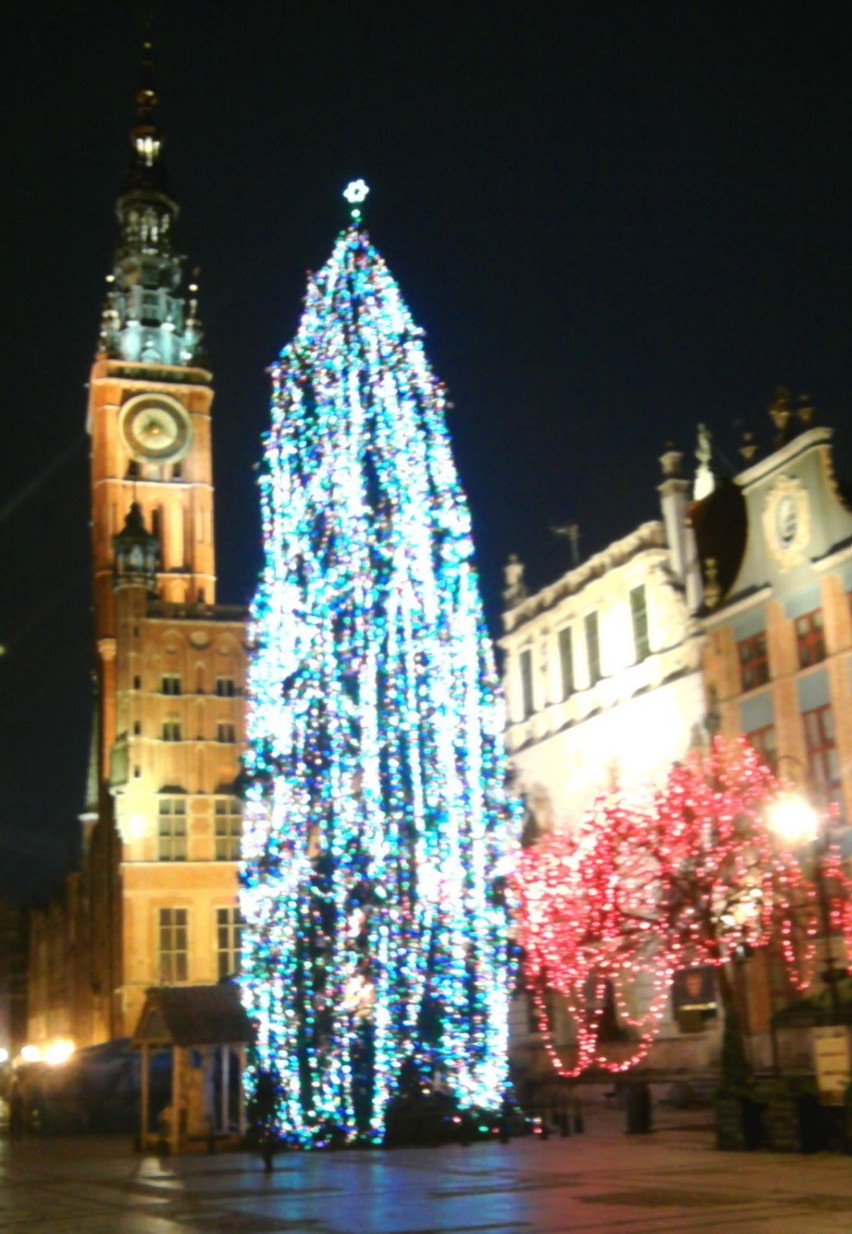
(355, 192)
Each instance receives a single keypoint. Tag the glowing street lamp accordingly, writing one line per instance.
(796, 822)
(58, 1052)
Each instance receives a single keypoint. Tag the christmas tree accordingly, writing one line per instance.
(377, 827)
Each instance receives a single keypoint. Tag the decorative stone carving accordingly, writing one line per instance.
(787, 521)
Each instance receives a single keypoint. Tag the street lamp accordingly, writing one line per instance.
(796, 822)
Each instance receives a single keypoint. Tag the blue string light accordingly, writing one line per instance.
(377, 824)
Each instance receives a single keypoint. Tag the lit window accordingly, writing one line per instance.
(174, 945)
(639, 617)
(810, 638)
(172, 829)
(229, 829)
(754, 664)
(566, 661)
(525, 660)
(821, 750)
(171, 684)
(763, 741)
(229, 929)
(225, 731)
(593, 647)
(172, 731)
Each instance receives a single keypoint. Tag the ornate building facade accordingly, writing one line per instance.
(775, 544)
(776, 549)
(602, 668)
(733, 614)
(155, 899)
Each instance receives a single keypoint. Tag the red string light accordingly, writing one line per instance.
(688, 873)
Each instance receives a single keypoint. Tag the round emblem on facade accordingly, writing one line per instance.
(156, 428)
(786, 521)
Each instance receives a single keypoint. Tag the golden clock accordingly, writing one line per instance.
(156, 428)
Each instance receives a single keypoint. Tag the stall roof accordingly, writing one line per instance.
(193, 1015)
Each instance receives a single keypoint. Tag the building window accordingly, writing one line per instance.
(229, 829)
(172, 731)
(225, 687)
(229, 930)
(171, 684)
(225, 731)
(639, 618)
(525, 661)
(821, 750)
(763, 741)
(172, 829)
(566, 661)
(810, 638)
(174, 945)
(754, 664)
(593, 647)
(137, 683)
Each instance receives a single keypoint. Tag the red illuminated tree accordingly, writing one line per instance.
(689, 873)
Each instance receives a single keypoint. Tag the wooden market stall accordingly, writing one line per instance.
(202, 1032)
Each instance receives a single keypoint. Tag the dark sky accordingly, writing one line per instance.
(613, 221)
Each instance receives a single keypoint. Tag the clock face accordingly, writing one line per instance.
(156, 428)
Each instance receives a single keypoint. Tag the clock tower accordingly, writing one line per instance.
(150, 396)
(162, 841)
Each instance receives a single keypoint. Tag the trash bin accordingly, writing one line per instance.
(637, 1107)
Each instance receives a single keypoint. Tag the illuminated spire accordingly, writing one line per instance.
(146, 318)
(146, 170)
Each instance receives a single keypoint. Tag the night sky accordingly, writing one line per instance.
(614, 221)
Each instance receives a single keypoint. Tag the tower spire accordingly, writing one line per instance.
(146, 170)
(145, 318)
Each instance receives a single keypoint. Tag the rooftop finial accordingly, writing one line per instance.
(779, 410)
(146, 96)
(705, 480)
(355, 192)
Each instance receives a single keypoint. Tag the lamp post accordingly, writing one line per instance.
(796, 822)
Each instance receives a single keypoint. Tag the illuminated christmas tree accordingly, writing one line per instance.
(377, 821)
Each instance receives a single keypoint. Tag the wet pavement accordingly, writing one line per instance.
(668, 1182)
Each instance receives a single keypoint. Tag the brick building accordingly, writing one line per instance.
(155, 898)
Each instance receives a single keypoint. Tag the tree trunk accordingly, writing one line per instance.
(734, 1062)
